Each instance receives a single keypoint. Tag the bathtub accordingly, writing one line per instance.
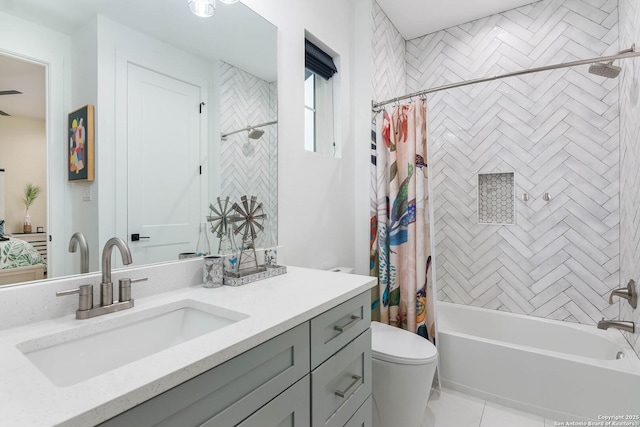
(558, 370)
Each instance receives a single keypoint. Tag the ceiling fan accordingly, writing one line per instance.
(8, 92)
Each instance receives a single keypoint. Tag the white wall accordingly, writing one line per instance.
(84, 89)
(322, 220)
(23, 156)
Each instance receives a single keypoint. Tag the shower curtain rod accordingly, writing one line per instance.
(627, 54)
(248, 128)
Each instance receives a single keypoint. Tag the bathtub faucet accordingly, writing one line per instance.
(617, 324)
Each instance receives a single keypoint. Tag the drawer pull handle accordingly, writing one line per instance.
(353, 321)
(343, 393)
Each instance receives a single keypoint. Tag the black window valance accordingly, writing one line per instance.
(318, 61)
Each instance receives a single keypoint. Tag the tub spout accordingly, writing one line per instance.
(623, 325)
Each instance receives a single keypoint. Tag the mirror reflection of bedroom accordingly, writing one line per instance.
(23, 170)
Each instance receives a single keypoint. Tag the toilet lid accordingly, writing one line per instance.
(399, 346)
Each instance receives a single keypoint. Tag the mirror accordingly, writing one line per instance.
(165, 85)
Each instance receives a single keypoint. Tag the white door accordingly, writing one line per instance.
(164, 176)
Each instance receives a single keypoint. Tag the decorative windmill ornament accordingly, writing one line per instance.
(221, 220)
(249, 219)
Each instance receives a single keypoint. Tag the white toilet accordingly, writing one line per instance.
(402, 372)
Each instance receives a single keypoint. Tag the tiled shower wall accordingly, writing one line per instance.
(630, 155)
(388, 68)
(249, 166)
(558, 131)
(388, 59)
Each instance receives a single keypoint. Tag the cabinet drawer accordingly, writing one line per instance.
(226, 394)
(290, 409)
(335, 328)
(364, 416)
(341, 384)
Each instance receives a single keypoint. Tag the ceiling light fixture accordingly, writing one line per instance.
(202, 8)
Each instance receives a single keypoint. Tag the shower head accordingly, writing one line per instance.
(255, 133)
(607, 70)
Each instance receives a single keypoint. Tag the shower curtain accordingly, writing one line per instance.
(400, 228)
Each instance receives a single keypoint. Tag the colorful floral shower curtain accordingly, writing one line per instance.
(400, 228)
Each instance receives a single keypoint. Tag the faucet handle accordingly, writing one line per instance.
(124, 287)
(629, 292)
(86, 296)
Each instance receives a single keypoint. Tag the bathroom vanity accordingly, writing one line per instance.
(276, 379)
(290, 350)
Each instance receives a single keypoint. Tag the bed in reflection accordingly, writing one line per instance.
(19, 262)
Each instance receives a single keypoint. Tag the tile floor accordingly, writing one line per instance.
(454, 409)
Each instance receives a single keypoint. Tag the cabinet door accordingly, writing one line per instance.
(227, 394)
(290, 409)
(364, 416)
(341, 384)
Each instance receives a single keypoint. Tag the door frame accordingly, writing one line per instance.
(56, 102)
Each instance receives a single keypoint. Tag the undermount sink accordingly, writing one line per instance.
(69, 357)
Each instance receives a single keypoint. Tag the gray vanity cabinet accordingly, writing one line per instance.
(291, 408)
(316, 374)
(341, 362)
(364, 416)
(225, 395)
(335, 328)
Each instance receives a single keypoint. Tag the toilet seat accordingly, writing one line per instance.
(394, 345)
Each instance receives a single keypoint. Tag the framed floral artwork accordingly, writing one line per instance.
(80, 159)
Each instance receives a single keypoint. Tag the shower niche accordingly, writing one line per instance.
(496, 198)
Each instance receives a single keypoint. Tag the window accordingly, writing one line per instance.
(309, 111)
(319, 100)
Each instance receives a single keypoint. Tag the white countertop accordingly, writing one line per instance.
(28, 398)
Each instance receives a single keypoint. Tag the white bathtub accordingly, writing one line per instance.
(558, 370)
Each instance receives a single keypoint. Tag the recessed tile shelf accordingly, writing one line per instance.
(496, 198)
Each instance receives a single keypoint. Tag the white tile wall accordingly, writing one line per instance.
(389, 77)
(557, 130)
(630, 156)
(251, 170)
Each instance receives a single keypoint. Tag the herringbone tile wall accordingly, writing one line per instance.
(249, 167)
(389, 66)
(630, 156)
(558, 131)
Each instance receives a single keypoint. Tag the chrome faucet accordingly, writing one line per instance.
(76, 240)
(86, 309)
(623, 325)
(630, 293)
(106, 287)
